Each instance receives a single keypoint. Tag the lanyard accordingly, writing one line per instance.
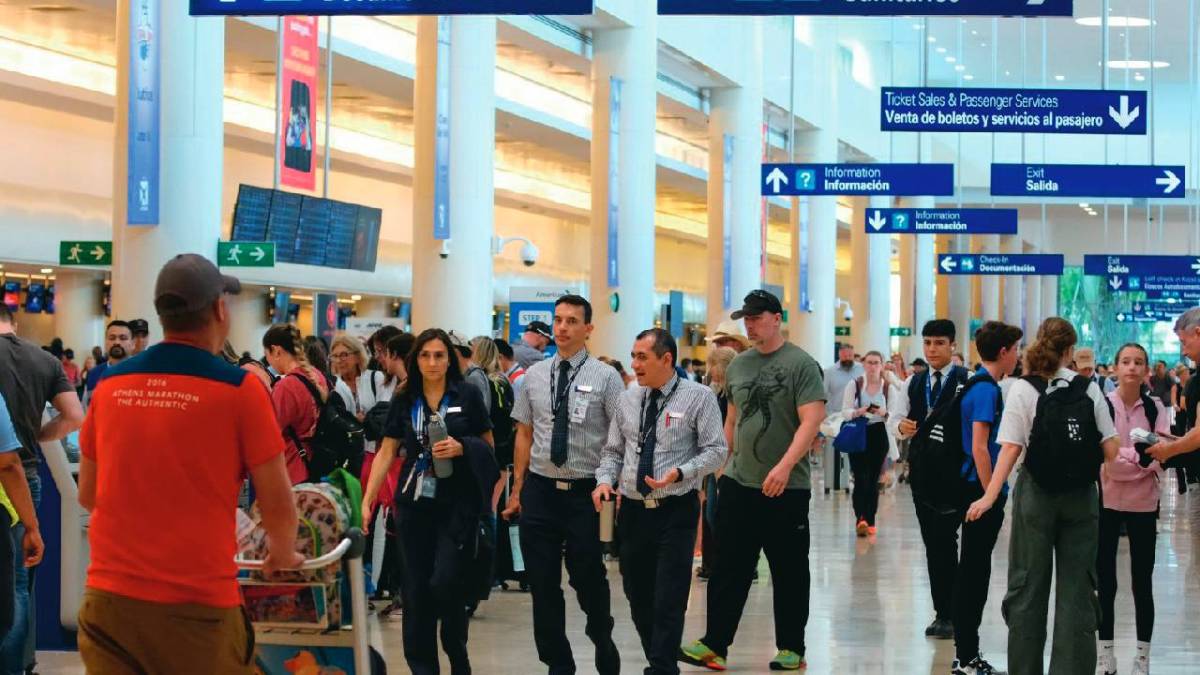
(556, 402)
(643, 430)
(425, 459)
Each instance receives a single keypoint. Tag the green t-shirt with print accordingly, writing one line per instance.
(767, 389)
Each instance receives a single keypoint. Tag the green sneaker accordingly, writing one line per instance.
(698, 654)
(788, 660)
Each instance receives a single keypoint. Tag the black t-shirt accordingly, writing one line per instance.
(29, 378)
(1191, 394)
(466, 415)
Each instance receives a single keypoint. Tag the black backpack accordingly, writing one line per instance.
(337, 441)
(936, 454)
(1147, 404)
(1064, 452)
(503, 429)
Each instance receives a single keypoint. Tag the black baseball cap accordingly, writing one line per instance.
(139, 327)
(189, 283)
(540, 328)
(758, 302)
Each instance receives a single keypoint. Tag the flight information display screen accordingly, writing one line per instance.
(309, 230)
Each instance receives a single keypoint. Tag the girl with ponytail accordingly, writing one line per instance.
(1055, 504)
(295, 407)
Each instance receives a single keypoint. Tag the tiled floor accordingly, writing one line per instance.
(870, 604)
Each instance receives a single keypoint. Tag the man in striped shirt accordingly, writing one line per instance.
(563, 414)
(666, 437)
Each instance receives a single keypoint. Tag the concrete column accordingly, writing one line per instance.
(455, 292)
(737, 114)
(1014, 286)
(191, 157)
(249, 312)
(78, 316)
(907, 246)
(1033, 305)
(924, 272)
(629, 54)
(1049, 297)
(960, 297)
(990, 301)
(813, 330)
(879, 283)
(858, 293)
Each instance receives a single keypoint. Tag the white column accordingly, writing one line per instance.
(1049, 297)
(455, 292)
(879, 282)
(924, 276)
(630, 54)
(960, 298)
(858, 293)
(373, 306)
(990, 284)
(814, 330)
(1014, 286)
(907, 245)
(78, 316)
(1033, 306)
(250, 320)
(737, 113)
(191, 156)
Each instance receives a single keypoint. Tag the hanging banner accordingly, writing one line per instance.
(727, 223)
(325, 316)
(441, 142)
(142, 143)
(298, 114)
(614, 156)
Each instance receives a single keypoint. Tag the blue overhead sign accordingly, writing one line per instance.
(797, 180)
(869, 7)
(329, 7)
(1047, 111)
(1022, 264)
(1186, 266)
(941, 221)
(1088, 180)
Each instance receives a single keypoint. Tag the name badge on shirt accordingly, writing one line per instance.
(673, 417)
(455, 409)
(579, 410)
(426, 487)
(584, 388)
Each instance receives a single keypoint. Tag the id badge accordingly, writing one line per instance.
(426, 487)
(579, 410)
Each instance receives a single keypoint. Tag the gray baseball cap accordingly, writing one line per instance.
(189, 283)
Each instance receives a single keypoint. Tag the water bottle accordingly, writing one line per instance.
(442, 468)
(607, 511)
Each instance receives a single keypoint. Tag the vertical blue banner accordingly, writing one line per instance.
(727, 223)
(614, 155)
(141, 197)
(441, 160)
(802, 204)
(676, 307)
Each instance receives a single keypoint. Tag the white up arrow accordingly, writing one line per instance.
(948, 264)
(1170, 180)
(877, 221)
(776, 177)
(1124, 117)
(1115, 283)
(258, 254)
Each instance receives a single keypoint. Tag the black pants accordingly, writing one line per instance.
(1142, 530)
(656, 568)
(436, 558)
(866, 466)
(749, 523)
(554, 521)
(974, 575)
(939, 532)
(9, 559)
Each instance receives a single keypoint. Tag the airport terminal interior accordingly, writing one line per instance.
(838, 176)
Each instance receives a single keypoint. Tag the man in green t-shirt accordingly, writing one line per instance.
(776, 405)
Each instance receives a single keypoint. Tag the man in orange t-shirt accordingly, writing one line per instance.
(168, 440)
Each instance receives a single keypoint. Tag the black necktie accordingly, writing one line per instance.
(650, 439)
(937, 388)
(560, 438)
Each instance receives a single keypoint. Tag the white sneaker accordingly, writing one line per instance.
(1140, 666)
(1106, 664)
(977, 666)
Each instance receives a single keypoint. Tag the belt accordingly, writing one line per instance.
(659, 502)
(567, 484)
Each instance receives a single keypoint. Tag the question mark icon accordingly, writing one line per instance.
(805, 178)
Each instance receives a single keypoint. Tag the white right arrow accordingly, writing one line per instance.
(1170, 180)
(98, 252)
(776, 177)
(877, 221)
(1196, 266)
(258, 253)
(1124, 117)
(948, 264)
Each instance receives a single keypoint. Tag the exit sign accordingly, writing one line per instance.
(901, 331)
(85, 253)
(841, 331)
(245, 254)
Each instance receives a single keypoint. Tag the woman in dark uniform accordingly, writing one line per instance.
(437, 518)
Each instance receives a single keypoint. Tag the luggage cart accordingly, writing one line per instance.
(345, 648)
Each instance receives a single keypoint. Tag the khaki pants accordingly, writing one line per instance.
(119, 635)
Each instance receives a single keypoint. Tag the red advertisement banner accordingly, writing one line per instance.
(298, 113)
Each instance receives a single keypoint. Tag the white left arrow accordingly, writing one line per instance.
(775, 178)
(258, 253)
(948, 264)
(1169, 180)
(877, 221)
(1124, 117)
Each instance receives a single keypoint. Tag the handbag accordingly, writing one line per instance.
(852, 437)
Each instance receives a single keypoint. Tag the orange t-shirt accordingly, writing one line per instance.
(173, 432)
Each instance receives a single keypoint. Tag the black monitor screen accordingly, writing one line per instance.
(309, 230)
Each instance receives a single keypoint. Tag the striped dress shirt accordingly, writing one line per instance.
(689, 436)
(591, 404)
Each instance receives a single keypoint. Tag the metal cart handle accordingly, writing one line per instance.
(350, 547)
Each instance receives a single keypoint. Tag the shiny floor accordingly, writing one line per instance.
(870, 604)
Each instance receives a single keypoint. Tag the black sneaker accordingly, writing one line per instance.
(977, 666)
(942, 629)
